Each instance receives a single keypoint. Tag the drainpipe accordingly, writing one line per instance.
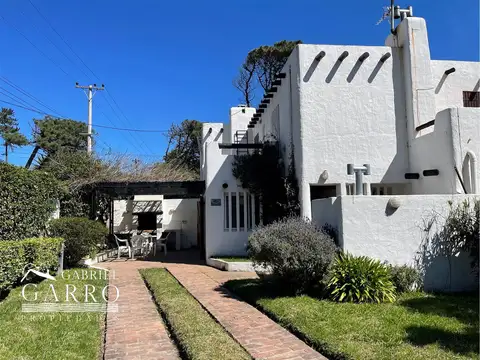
(473, 171)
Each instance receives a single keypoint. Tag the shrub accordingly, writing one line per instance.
(15, 255)
(360, 279)
(27, 201)
(298, 253)
(405, 278)
(82, 237)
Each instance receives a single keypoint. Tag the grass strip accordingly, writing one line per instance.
(53, 335)
(198, 335)
(416, 326)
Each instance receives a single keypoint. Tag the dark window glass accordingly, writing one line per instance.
(234, 211)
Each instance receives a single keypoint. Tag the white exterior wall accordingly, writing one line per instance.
(181, 214)
(369, 228)
(218, 171)
(286, 102)
(449, 88)
(456, 131)
(178, 214)
(349, 114)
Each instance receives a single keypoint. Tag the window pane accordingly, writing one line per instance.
(241, 199)
(234, 210)
(225, 214)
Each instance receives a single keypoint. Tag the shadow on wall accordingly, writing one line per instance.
(127, 217)
(184, 217)
(445, 266)
(399, 165)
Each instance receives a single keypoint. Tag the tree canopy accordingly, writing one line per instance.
(183, 145)
(52, 134)
(10, 132)
(261, 66)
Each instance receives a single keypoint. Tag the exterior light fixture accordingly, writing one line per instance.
(224, 185)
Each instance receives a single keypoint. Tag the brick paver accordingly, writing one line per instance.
(136, 331)
(260, 336)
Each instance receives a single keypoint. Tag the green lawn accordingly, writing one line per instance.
(52, 336)
(199, 336)
(417, 326)
(233, 258)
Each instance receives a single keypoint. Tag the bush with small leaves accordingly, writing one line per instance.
(82, 237)
(42, 253)
(405, 278)
(360, 279)
(297, 252)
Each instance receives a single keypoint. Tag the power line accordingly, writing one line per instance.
(62, 38)
(16, 98)
(141, 142)
(135, 130)
(24, 107)
(36, 110)
(31, 43)
(26, 93)
(55, 45)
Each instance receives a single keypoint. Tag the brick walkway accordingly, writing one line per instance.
(136, 331)
(261, 337)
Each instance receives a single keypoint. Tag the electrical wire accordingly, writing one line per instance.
(62, 38)
(135, 130)
(140, 142)
(31, 43)
(26, 93)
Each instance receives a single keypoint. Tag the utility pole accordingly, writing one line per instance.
(89, 90)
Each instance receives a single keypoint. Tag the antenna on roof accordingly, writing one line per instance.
(393, 12)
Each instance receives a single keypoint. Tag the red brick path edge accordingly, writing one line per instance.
(136, 331)
(259, 335)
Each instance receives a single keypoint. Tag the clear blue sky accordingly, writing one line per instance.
(165, 61)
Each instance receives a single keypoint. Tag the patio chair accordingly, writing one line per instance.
(161, 242)
(139, 244)
(122, 245)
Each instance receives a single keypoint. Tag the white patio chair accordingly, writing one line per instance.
(161, 242)
(139, 244)
(122, 245)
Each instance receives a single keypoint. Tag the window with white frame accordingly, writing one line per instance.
(241, 211)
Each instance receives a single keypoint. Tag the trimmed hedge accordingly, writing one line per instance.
(27, 201)
(15, 255)
(82, 236)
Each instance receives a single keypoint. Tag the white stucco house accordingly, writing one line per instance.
(414, 120)
(155, 212)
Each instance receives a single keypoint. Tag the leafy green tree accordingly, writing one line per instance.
(10, 132)
(52, 135)
(183, 145)
(261, 66)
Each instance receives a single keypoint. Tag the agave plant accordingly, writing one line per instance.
(360, 279)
